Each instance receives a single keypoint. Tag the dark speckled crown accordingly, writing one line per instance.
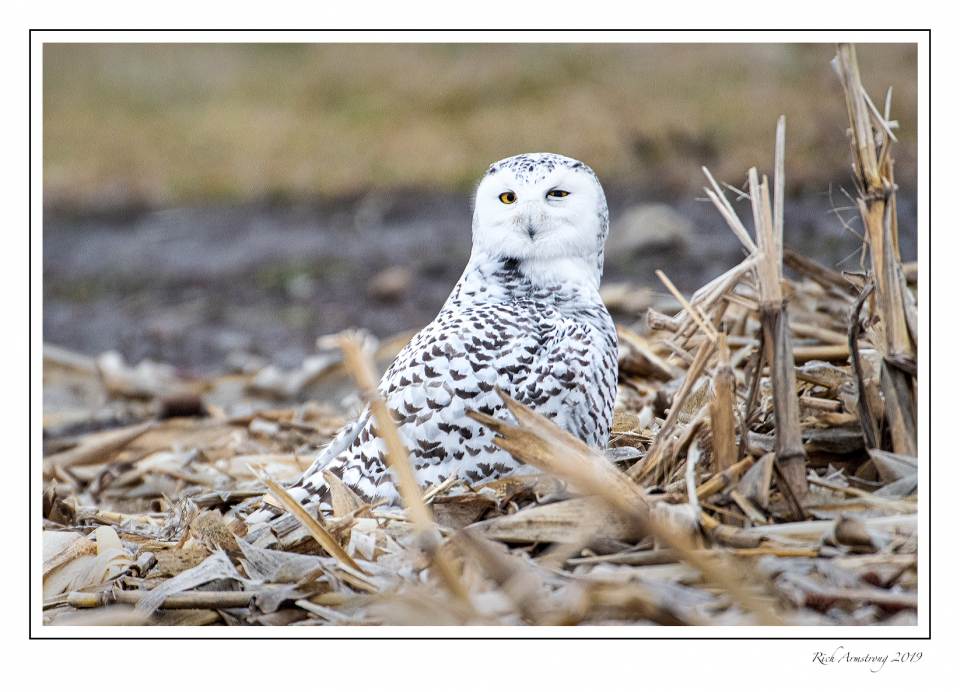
(535, 167)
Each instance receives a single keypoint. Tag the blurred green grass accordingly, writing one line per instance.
(164, 124)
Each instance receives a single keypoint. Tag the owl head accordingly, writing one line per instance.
(545, 210)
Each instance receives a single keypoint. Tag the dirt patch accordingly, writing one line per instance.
(189, 286)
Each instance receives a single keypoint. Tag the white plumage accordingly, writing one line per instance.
(526, 316)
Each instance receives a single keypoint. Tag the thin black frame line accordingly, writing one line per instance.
(488, 30)
(929, 634)
(29, 330)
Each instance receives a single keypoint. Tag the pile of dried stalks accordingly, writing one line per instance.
(762, 470)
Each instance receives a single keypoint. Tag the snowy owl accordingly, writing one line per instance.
(525, 317)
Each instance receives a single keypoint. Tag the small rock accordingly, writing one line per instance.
(391, 284)
(647, 227)
(301, 286)
(244, 362)
(626, 297)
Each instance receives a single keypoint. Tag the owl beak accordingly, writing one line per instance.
(527, 220)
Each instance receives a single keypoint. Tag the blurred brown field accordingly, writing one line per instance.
(166, 124)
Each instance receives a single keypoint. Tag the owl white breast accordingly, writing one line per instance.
(526, 316)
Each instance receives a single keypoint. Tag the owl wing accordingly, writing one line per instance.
(532, 352)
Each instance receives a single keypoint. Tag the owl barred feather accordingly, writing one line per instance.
(525, 317)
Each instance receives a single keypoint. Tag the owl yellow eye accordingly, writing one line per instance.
(557, 193)
(508, 197)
